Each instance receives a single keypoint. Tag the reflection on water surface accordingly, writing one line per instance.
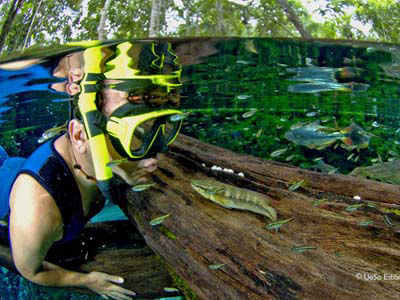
(327, 106)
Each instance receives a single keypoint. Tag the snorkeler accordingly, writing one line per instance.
(64, 183)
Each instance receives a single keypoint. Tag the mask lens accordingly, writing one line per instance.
(140, 134)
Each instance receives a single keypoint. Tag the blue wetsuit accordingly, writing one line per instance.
(51, 171)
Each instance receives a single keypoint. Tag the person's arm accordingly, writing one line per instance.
(35, 224)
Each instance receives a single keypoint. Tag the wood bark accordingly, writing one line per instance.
(112, 247)
(260, 263)
(155, 18)
(292, 17)
(15, 7)
(103, 18)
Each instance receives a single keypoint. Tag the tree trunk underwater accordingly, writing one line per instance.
(113, 247)
(329, 250)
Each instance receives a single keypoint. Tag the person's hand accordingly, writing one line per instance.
(103, 284)
(136, 172)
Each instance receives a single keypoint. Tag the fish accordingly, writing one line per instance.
(278, 224)
(179, 117)
(142, 187)
(315, 136)
(319, 202)
(296, 185)
(323, 167)
(170, 290)
(243, 97)
(366, 223)
(388, 220)
(230, 196)
(159, 220)
(216, 266)
(317, 87)
(301, 249)
(116, 162)
(259, 133)
(354, 207)
(249, 114)
(52, 132)
(278, 152)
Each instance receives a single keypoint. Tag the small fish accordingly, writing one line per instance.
(371, 205)
(215, 267)
(142, 187)
(116, 162)
(278, 152)
(179, 117)
(289, 158)
(393, 153)
(278, 224)
(301, 249)
(249, 114)
(319, 202)
(312, 114)
(3, 223)
(52, 132)
(259, 133)
(243, 62)
(243, 97)
(296, 185)
(159, 220)
(376, 124)
(388, 220)
(354, 207)
(318, 159)
(366, 223)
(350, 156)
(171, 290)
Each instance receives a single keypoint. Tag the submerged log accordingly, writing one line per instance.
(113, 247)
(259, 263)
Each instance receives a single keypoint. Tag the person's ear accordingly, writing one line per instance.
(77, 136)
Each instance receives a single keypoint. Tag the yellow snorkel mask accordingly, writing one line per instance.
(136, 131)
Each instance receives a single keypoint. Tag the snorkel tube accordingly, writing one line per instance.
(97, 141)
(119, 68)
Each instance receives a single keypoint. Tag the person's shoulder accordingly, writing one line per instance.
(31, 201)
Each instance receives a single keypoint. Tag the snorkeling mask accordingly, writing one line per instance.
(137, 131)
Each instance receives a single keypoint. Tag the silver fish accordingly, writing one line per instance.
(301, 249)
(142, 187)
(278, 224)
(116, 162)
(159, 220)
(215, 267)
(179, 117)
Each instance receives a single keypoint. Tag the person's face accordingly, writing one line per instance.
(132, 172)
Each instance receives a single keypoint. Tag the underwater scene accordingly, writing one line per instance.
(325, 106)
